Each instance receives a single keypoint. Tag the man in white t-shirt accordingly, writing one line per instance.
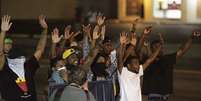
(129, 76)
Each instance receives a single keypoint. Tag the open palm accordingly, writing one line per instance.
(55, 36)
(5, 24)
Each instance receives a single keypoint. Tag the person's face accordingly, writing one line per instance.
(72, 59)
(156, 46)
(108, 47)
(63, 73)
(7, 47)
(60, 64)
(134, 65)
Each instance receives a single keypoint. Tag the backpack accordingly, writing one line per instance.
(60, 91)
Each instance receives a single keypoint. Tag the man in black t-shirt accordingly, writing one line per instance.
(158, 78)
(17, 72)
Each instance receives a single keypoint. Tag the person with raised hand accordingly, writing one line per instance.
(134, 24)
(86, 41)
(145, 34)
(17, 72)
(4, 48)
(58, 75)
(56, 38)
(100, 19)
(99, 29)
(69, 37)
(132, 42)
(130, 71)
(158, 78)
(143, 44)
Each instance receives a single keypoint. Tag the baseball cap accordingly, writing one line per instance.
(8, 41)
(67, 53)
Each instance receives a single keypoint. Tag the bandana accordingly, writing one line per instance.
(17, 66)
(8, 41)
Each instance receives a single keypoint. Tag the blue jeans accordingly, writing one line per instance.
(157, 97)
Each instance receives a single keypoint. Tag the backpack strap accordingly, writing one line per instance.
(59, 93)
(87, 94)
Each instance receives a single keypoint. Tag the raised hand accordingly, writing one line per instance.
(55, 36)
(100, 19)
(147, 30)
(67, 34)
(161, 38)
(96, 33)
(133, 40)
(5, 24)
(43, 39)
(134, 25)
(123, 38)
(196, 34)
(43, 22)
(70, 35)
(87, 28)
(74, 34)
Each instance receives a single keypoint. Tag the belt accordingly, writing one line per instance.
(158, 96)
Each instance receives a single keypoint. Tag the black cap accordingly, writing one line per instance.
(15, 53)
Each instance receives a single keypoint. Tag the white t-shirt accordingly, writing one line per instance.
(130, 89)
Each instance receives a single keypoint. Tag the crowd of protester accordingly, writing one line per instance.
(85, 65)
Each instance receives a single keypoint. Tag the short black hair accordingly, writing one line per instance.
(78, 76)
(16, 52)
(128, 60)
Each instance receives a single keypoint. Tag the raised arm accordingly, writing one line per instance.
(93, 48)
(143, 36)
(133, 40)
(151, 58)
(120, 53)
(87, 31)
(5, 26)
(99, 29)
(134, 24)
(100, 20)
(186, 46)
(55, 39)
(103, 30)
(95, 36)
(67, 36)
(43, 39)
(131, 47)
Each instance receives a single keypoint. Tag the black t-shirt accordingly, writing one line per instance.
(158, 77)
(10, 90)
(99, 69)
